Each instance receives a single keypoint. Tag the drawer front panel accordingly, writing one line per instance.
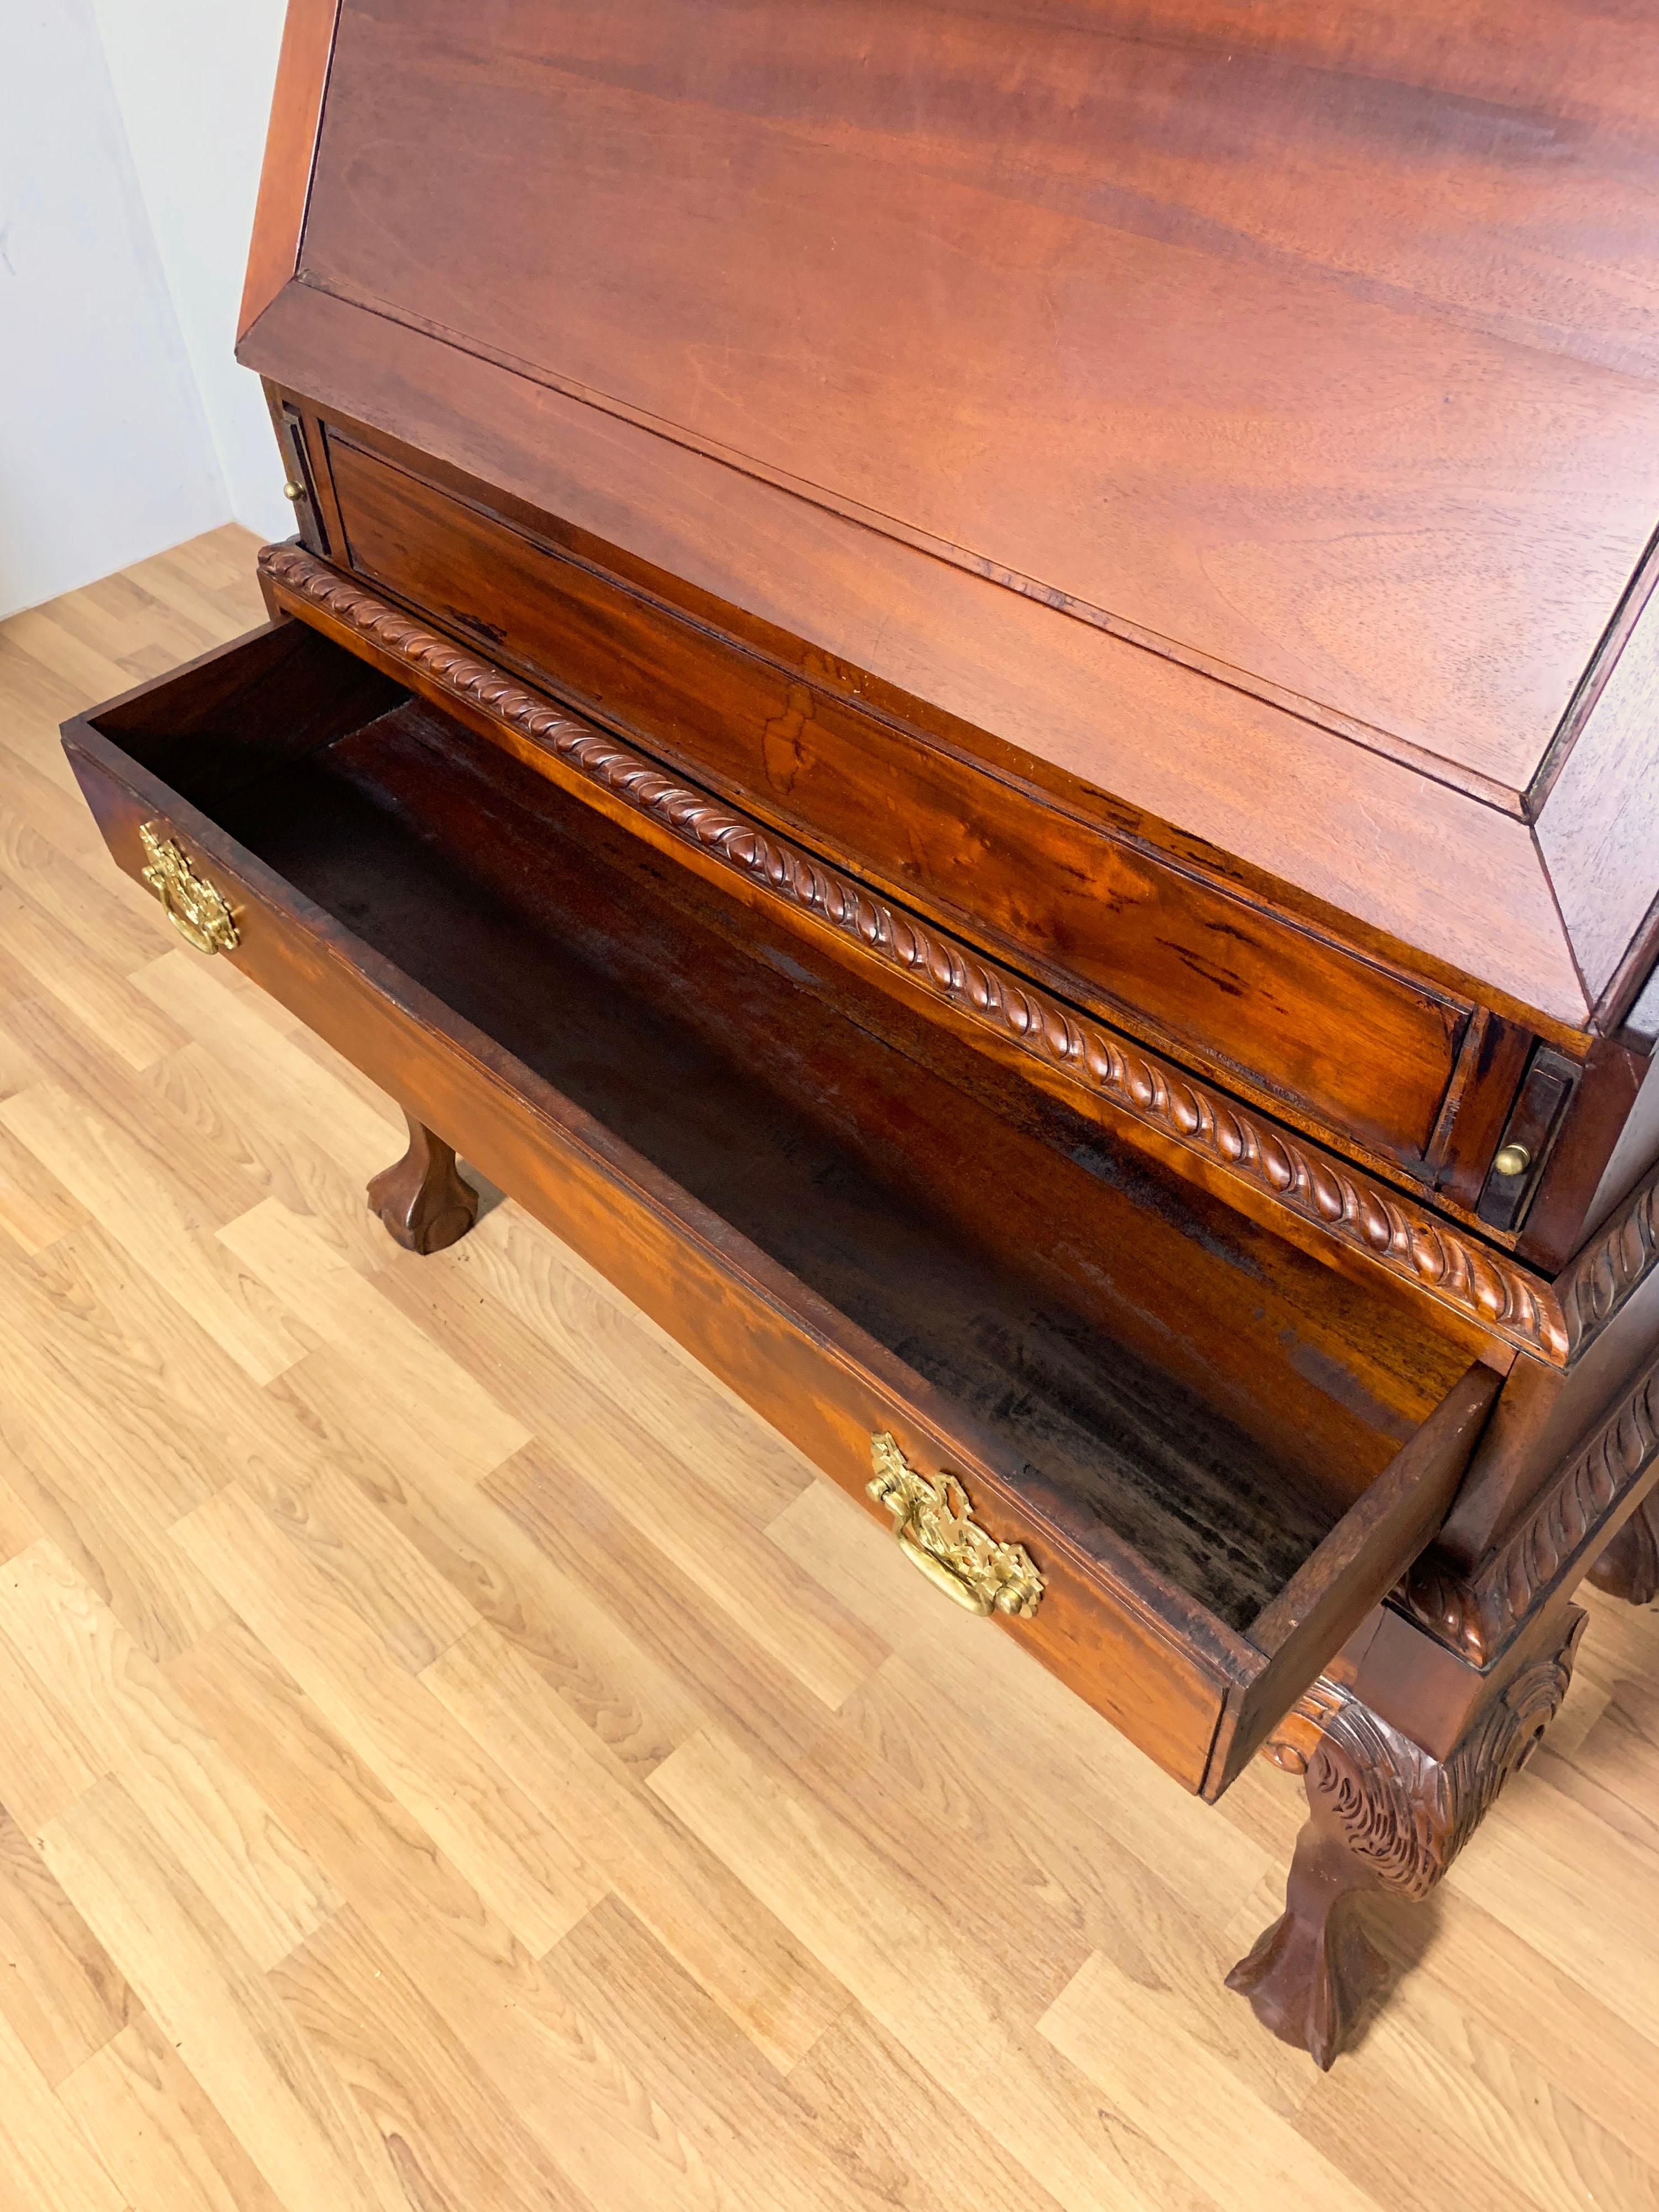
(813, 1375)
(1227, 982)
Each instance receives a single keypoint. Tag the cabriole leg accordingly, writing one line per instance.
(421, 1200)
(1382, 1814)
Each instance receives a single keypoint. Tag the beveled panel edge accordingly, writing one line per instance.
(296, 116)
(1412, 862)
(1481, 1283)
(694, 696)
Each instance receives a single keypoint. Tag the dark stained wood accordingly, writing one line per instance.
(1128, 444)
(1628, 1567)
(1304, 1193)
(972, 691)
(232, 716)
(1535, 1121)
(1480, 1099)
(609, 568)
(1550, 1540)
(1194, 967)
(1384, 1814)
(1552, 1228)
(585, 1016)
(425, 1204)
(1510, 1463)
(301, 474)
(1153, 1660)
(1431, 866)
(285, 181)
(1290, 391)
(1357, 1566)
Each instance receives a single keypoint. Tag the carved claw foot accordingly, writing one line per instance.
(421, 1200)
(1382, 1815)
(1629, 1567)
(1309, 1975)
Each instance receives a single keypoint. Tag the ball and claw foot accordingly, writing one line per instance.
(1310, 1975)
(1382, 1815)
(422, 1200)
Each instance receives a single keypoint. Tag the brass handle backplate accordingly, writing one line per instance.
(937, 1531)
(197, 910)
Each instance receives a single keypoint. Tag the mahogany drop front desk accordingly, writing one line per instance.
(972, 690)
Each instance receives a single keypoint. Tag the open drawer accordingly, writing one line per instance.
(1173, 1453)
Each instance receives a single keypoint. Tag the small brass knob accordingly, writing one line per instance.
(292, 490)
(1513, 1160)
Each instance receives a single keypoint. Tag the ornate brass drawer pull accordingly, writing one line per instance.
(937, 1531)
(196, 910)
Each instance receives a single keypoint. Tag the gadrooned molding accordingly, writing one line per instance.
(1478, 1610)
(1405, 1240)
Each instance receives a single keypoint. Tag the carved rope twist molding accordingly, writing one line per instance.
(1603, 1275)
(1361, 1213)
(1404, 1815)
(1478, 1611)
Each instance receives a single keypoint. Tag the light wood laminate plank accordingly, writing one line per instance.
(435, 1806)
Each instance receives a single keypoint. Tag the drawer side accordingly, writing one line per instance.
(1163, 1682)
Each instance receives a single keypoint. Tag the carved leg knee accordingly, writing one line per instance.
(1629, 1567)
(1382, 1814)
(421, 1200)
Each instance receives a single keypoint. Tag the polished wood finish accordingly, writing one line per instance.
(1628, 1567)
(1259, 1166)
(1188, 963)
(965, 248)
(1304, 1191)
(1167, 569)
(1407, 1065)
(1327, 1599)
(1383, 1814)
(425, 1204)
(972, 696)
(784, 144)
(878, 1909)
(1565, 1527)
(291, 147)
(1186, 748)
(788, 1216)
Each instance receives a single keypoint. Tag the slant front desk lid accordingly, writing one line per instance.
(1251, 411)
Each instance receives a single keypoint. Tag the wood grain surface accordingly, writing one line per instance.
(1058, 295)
(1249, 412)
(408, 1806)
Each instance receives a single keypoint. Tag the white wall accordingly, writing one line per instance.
(193, 80)
(131, 137)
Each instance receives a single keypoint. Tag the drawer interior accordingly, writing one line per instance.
(1140, 1359)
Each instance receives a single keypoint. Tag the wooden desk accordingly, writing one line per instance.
(970, 693)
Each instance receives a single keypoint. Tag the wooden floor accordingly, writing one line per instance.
(454, 1759)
